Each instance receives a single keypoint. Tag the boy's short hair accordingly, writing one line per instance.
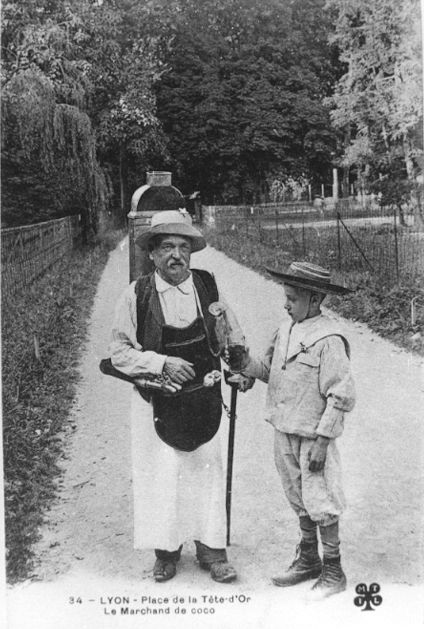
(311, 291)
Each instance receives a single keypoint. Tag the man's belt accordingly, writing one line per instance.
(153, 383)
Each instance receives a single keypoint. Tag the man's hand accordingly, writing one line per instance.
(178, 369)
(317, 454)
(244, 383)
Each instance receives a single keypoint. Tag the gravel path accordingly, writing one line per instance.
(86, 548)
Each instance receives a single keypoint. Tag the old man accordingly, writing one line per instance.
(163, 328)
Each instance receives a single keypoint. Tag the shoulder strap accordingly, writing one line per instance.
(208, 293)
(143, 290)
(312, 341)
(208, 282)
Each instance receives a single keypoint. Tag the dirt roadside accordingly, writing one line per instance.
(86, 548)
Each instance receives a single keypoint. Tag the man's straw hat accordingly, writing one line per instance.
(172, 223)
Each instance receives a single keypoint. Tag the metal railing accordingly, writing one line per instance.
(347, 236)
(29, 250)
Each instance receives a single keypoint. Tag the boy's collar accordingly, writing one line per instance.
(305, 323)
(318, 328)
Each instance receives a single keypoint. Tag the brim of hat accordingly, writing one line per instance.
(317, 285)
(172, 229)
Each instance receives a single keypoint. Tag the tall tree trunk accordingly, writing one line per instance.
(402, 220)
(123, 168)
(361, 184)
(346, 169)
(415, 197)
(345, 182)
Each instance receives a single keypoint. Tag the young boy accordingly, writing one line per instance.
(310, 387)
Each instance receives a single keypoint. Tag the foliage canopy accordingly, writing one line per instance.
(233, 96)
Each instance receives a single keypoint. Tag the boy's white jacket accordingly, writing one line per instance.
(309, 390)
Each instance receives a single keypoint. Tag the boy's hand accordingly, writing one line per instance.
(317, 454)
(244, 383)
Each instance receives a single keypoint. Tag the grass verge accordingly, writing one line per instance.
(384, 306)
(43, 330)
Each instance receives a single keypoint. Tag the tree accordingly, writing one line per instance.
(97, 63)
(49, 155)
(48, 141)
(378, 100)
(122, 44)
(243, 100)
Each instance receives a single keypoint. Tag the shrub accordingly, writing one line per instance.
(43, 329)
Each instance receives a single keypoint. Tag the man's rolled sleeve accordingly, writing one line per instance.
(336, 385)
(126, 353)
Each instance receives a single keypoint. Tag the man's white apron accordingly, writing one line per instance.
(178, 496)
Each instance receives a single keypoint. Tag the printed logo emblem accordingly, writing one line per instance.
(368, 596)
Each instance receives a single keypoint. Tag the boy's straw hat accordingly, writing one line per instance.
(309, 276)
(172, 223)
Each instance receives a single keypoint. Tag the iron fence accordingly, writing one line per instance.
(28, 251)
(346, 236)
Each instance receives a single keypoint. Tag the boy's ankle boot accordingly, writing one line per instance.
(332, 580)
(306, 565)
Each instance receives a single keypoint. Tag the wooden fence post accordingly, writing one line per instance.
(396, 243)
(37, 348)
(339, 250)
(277, 235)
(259, 225)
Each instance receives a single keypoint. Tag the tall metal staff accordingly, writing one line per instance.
(232, 342)
(230, 455)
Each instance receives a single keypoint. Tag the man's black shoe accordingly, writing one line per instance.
(164, 569)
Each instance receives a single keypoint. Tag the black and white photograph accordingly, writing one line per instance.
(212, 308)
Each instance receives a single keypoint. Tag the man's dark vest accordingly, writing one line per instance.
(190, 418)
